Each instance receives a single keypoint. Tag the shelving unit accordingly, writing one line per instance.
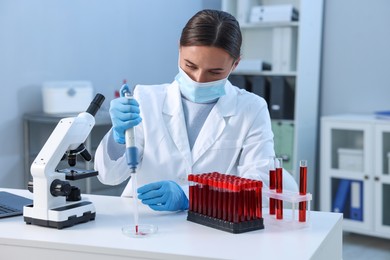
(296, 135)
(37, 129)
(355, 177)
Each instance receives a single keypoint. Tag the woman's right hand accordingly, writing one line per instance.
(124, 114)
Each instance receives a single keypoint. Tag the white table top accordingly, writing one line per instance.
(176, 238)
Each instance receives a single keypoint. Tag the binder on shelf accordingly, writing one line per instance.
(284, 48)
(383, 114)
(274, 13)
(340, 200)
(356, 212)
(252, 66)
(238, 81)
(259, 85)
(282, 99)
(244, 10)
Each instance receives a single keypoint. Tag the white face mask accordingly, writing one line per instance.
(200, 92)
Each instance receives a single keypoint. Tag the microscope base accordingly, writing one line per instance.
(65, 216)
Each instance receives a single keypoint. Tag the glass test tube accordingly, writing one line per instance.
(195, 193)
(272, 184)
(259, 201)
(205, 194)
(244, 202)
(279, 186)
(215, 198)
(191, 191)
(219, 199)
(302, 189)
(210, 196)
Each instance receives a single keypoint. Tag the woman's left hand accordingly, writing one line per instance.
(163, 196)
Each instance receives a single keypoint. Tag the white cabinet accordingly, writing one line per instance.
(382, 178)
(355, 175)
(294, 50)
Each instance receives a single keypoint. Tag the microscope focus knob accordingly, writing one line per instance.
(60, 188)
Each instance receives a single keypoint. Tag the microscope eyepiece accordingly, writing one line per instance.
(95, 104)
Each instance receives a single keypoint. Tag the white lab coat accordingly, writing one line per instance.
(236, 138)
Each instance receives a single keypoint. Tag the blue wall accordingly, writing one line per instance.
(356, 57)
(104, 41)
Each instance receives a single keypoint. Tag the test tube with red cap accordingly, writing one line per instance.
(220, 198)
(225, 197)
(279, 186)
(259, 201)
(215, 197)
(205, 194)
(237, 200)
(210, 197)
(191, 191)
(302, 189)
(252, 199)
(195, 193)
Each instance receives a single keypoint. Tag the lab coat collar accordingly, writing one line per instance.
(175, 122)
(227, 104)
(213, 127)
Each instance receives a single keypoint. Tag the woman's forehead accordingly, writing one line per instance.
(206, 56)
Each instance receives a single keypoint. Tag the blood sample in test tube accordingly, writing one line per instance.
(237, 207)
(241, 216)
(200, 194)
(205, 194)
(235, 200)
(302, 189)
(191, 191)
(279, 186)
(272, 184)
(210, 196)
(196, 191)
(220, 198)
(252, 200)
(225, 198)
(215, 197)
(259, 201)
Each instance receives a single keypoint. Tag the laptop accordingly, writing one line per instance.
(12, 204)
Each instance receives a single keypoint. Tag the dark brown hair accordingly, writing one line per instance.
(213, 28)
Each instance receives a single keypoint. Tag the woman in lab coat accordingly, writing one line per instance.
(199, 123)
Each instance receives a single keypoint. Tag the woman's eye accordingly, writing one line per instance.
(191, 67)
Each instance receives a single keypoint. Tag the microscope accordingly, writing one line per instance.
(56, 203)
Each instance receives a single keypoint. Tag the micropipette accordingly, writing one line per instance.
(132, 159)
(132, 162)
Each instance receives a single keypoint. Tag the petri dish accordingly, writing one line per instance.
(139, 231)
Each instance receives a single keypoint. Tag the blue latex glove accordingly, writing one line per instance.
(124, 114)
(163, 196)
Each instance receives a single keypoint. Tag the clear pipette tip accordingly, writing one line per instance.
(137, 230)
